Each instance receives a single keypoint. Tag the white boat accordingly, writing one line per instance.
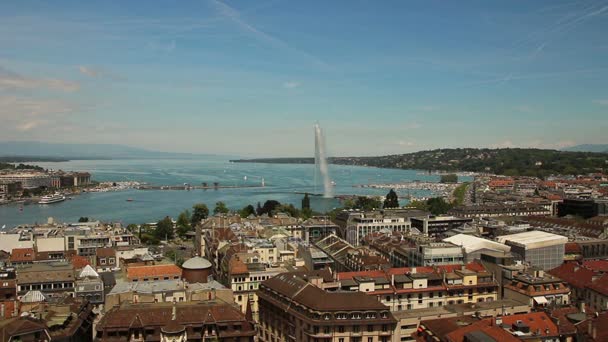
(57, 197)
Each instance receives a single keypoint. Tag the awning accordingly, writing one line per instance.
(540, 300)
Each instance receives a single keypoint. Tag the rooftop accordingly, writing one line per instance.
(533, 239)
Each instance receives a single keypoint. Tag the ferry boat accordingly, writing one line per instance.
(57, 197)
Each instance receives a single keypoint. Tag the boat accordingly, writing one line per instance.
(129, 200)
(54, 198)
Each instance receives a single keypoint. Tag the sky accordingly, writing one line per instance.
(252, 77)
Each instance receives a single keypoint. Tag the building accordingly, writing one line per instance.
(28, 180)
(67, 320)
(585, 208)
(106, 259)
(315, 228)
(361, 224)
(168, 322)
(409, 320)
(438, 225)
(153, 272)
(435, 254)
(349, 258)
(474, 246)
(89, 286)
(538, 248)
(497, 210)
(536, 288)
(8, 294)
(534, 326)
(52, 279)
(294, 308)
(196, 270)
(423, 287)
(166, 291)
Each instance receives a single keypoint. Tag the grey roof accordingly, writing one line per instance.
(162, 286)
(196, 263)
(33, 297)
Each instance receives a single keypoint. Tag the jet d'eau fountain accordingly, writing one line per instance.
(321, 167)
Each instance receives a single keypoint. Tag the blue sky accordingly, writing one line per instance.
(252, 77)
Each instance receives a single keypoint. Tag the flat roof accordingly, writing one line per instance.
(474, 243)
(534, 239)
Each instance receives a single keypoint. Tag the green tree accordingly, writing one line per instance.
(420, 205)
(199, 213)
(269, 207)
(83, 219)
(182, 223)
(164, 229)
(306, 213)
(367, 203)
(392, 200)
(438, 206)
(306, 202)
(287, 208)
(132, 227)
(220, 208)
(247, 211)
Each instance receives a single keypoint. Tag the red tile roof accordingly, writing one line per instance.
(537, 321)
(486, 326)
(596, 265)
(139, 272)
(472, 266)
(600, 285)
(572, 248)
(22, 255)
(78, 261)
(574, 274)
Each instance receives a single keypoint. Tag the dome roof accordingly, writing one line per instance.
(196, 263)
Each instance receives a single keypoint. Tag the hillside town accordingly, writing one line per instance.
(520, 259)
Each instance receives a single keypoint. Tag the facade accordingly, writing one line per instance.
(315, 228)
(65, 321)
(175, 322)
(362, 224)
(106, 259)
(51, 279)
(538, 248)
(436, 253)
(438, 225)
(294, 307)
(196, 270)
(536, 288)
(520, 209)
(28, 180)
(424, 287)
(89, 286)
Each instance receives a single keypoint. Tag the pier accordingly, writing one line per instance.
(195, 187)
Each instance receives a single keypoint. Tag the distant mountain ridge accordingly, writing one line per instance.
(82, 151)
(601, 148)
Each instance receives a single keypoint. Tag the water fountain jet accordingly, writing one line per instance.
(321, 162)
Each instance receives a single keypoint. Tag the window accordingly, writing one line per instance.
(370, 328)
(341, 329)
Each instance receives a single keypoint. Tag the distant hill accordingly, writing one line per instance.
(588, 148)
(506, 161)
(42, 150)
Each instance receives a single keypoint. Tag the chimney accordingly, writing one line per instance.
(413, 270)
(498, 320)
(581, 307)
(392, 280)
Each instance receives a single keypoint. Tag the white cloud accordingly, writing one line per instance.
(27, 114)
(504, 144)
(291, 84)
(13, 81)
(88, 71)
(556, 145)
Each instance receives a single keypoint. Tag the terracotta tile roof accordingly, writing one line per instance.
(307, 294)
(596, 265)
(574, 274)
(487, 327)
(565, 326)
(572, 248)
(139, 272)
(22, 255)
(79, 261)
(537, 321)
(600, 285)
(106, 252)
